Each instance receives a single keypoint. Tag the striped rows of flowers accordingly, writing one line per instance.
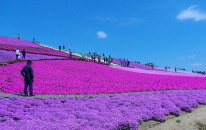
(11, 55)
(14, 44)
(79, 77)
(99, 112)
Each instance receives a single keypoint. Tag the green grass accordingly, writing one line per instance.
(201, 126)
(178, 121)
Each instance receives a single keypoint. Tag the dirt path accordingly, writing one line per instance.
(187, 121)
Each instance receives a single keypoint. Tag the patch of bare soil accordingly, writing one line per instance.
(188, 121)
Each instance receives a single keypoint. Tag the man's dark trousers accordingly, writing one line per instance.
(17, 57)
(23, 56)
(28, 82)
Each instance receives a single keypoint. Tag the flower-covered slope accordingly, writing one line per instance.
(99, 112)
(158, 72)
(79, 77)
(11, 55)
(14, 44)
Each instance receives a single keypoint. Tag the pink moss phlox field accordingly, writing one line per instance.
(11, 55)
(158, 72)
(14, 44)
(99, 112)
(79, 77)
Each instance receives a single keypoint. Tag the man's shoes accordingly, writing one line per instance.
(26, 95)
(32, 95)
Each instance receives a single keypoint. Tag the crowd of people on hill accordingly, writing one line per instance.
(95, 56)
(107, 60)
(124, 62)
(169, 68)
(63, 48)
(199, 72)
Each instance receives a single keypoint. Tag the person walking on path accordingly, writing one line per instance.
(128, 64)
(18, 36)
(166, 68)
(125, 63)
(63, 47)
(121, 62)
(17, 54)
(106, 60)
(23, 52)
(33, 39)
(59, 48)
(99, 58)
(28, 78)
(109, 59)
(70, 53)
(69, 48)
(94, 56)
(175, 69)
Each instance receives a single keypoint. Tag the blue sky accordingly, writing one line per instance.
(166, 33)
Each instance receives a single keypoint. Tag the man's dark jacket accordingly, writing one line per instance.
(28, 72)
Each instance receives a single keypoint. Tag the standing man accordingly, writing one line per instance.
(23, 52)
(175, 69)
(63, 47)
(33, 39)
(28, 78)
(69, 48)
(166, 68)
(17, 54)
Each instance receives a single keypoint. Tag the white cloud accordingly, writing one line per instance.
(191, 13)
(192, 56)
(196, 64)
(104, 18)
(134, 20)
(101, 34)
(181, 58)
